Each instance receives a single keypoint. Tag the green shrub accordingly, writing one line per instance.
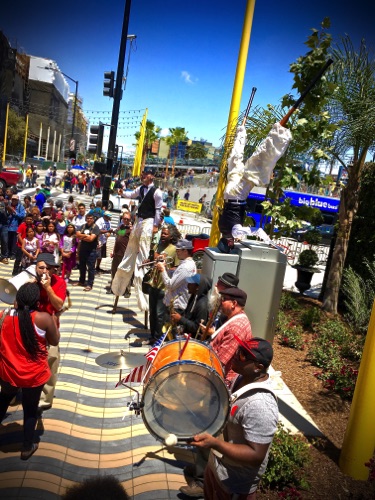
(310, 317)
(359, 296)
(291, 336)
(308, 258)
(288, 302)
(331, 349)
(340, 378)
(288, 456)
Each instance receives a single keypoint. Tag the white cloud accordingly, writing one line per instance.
(164, 132)
(188, 77)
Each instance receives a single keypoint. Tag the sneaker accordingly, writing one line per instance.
(26, 454)
(127, 294)
(193, 490)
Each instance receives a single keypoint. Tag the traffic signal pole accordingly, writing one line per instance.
(116, 105)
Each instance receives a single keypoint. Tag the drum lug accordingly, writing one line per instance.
(136, 407)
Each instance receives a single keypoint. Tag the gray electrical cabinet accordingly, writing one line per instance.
(261, 269)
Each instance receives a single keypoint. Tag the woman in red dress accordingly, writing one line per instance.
(25, 334)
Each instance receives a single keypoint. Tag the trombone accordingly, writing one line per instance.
(167, 261)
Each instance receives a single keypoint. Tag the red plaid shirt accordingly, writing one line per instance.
(225, 345)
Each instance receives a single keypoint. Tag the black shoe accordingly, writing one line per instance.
(109, 292)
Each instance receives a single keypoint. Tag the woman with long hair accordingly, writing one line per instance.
(51, 240)
(25, 334)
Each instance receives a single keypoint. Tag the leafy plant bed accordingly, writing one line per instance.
(327, 408)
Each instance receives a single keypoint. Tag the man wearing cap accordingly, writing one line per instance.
(147, 223)
(52, 297)
(104, 225)
(237, 325)
(237, 463)
(227, 280)
(176, 292)
(197, 307)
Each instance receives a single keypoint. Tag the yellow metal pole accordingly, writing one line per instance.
(233, 114)
(5, 134)
(25, 142)
(139, 150)
(359, 440)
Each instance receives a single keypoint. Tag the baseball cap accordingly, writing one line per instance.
(196, 279)
(46, 205)
(107, 214)
(48, 258)
(260, 349)
(236, 294)
(229, 279)
(15, 197)
(184, 244)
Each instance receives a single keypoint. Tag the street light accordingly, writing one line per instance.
(72, 140)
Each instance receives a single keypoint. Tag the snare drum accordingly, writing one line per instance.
(185, 397)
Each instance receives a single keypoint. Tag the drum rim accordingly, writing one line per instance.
(186, 438)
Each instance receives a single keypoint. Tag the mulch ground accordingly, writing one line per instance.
(331, 414)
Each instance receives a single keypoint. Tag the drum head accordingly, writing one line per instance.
(185, 398)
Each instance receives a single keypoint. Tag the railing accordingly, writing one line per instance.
(192, 229)
(293, 248)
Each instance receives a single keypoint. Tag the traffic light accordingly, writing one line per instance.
(115, 154)
(96, 139)
(100, 167)
(109, 83)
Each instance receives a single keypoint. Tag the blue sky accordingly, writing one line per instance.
(183, 64)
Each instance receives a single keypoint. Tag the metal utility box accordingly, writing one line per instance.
(261, 269)
(216, 264)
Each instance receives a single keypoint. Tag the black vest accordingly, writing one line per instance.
(146, 208)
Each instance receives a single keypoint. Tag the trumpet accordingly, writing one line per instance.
(167, 261)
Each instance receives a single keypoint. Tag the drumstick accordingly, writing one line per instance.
(184, 347)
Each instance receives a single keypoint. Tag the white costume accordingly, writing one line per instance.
(138, 250)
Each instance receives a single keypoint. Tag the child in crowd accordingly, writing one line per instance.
(39, 231)
(50, 241)
(60, 223)
(68, 248)
(30, 248)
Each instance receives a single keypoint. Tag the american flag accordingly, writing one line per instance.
(155, 349)
(138, 373)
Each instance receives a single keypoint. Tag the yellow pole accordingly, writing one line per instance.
(233, 113)
(25, 141)
(5, 134)
(139, 150)
(359, 440)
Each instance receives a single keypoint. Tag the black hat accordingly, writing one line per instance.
(236, 294)
(184, 245)
(48, 258)
(260, 349)
(229, 280)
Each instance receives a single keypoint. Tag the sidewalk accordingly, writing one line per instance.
(89, 430)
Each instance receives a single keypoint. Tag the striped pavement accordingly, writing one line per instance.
(89, 430)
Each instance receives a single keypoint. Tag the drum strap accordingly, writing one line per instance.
(250, 387)
(233, 398)
(234, 318)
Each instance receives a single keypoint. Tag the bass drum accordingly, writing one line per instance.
(185, 397)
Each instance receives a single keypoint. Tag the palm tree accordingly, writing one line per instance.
(152, 134)
(352, 106)
(196, 150)
(177, 135)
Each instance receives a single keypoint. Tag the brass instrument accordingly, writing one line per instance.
(211, 319)
(167, 261)
(169, 325)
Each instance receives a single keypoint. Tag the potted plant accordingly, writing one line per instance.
(307, 261)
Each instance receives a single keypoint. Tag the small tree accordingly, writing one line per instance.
(352, 107)
(177, 134)
(309, 125)
(16, 133)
